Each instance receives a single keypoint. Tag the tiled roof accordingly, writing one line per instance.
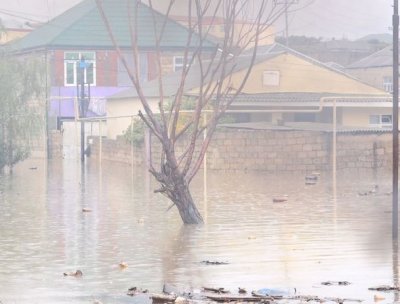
(82, 27)
(308, 97)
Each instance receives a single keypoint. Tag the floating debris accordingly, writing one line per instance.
(213, 262)
(181, 300)
(310, 182)
(158, 297)
(374, 190)
(385, 288)
(33, 168)
(339, 283)
(234, 298)
(86, 210)
(77, 273)
(321, 300)
(340, 300)
(123, 265)
(378, 298)
(134, 291)
(280, 199)
(311, 177)
(274, 292)
(216, 290)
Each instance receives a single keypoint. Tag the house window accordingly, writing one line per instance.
(178, 63)
(72, 61)
(388, 84)
(382, 121)
(271, 78)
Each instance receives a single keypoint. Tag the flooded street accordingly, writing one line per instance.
(315, 236)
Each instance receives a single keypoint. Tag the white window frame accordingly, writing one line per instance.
(388, 84)
(178, 66)
(382, 123)
(271, 78)
(75, 63)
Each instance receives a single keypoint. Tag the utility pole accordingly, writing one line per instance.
(82, 66)
(287, 23)
(287, 3)
(395, 198)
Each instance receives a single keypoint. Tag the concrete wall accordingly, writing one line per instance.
(260, 150)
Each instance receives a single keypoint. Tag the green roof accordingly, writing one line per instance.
(82, 27)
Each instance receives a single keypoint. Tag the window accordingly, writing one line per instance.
(388, 84)
(382, 121)
(271, 78)
(178, 63)
(72, 62)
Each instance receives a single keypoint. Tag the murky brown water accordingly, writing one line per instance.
(300, 243)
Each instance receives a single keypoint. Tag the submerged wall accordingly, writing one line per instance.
(265, 150)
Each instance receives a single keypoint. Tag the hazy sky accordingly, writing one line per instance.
(326, 18)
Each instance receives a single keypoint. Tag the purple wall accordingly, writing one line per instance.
(62, 100)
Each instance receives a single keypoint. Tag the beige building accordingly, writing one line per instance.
(375, 69)
(13, 30)
(284, 86)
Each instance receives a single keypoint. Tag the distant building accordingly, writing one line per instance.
(13, 30)
(376, 69)
(284, 86)
(79, 34)
(339, 51)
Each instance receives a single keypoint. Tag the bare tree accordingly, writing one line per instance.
(242, 31)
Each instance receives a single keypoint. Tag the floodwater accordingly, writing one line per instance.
(317, 235)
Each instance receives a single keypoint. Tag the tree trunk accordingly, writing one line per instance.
(183, 200)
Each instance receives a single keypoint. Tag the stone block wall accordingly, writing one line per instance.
(364, 151)
(265, 150)
(117, 150)
(260, 150)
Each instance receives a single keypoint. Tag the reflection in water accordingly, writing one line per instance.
(395, 264)
(309, 239)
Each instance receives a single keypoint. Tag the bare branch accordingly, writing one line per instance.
(156, 126)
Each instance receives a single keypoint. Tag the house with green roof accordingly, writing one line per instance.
(78, 41)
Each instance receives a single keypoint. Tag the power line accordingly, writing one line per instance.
(20, 17)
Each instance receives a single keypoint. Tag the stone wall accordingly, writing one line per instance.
(117, 150)
(264, 150)
(268, 150)
(56, 144)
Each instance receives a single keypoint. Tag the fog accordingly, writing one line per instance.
(321, 18)
(142, 153)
